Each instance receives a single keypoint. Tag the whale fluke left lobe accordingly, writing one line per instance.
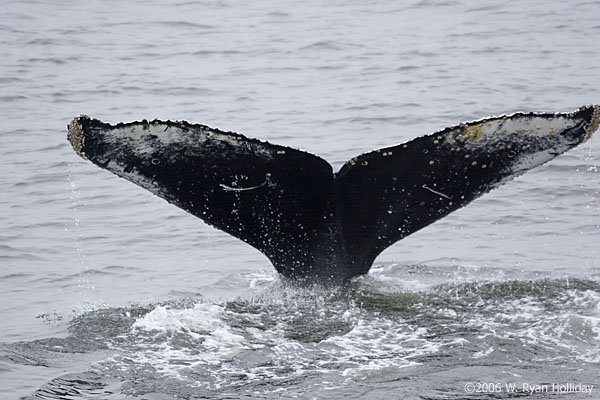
(273, 197)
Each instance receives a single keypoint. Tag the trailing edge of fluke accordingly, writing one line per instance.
(315, 225)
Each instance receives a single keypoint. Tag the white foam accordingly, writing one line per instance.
(262, 339)
(378, 345)
(483, 353)
(201, 320)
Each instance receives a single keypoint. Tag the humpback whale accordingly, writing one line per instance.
(314, 224)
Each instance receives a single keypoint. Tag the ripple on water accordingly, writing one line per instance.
(283, 337)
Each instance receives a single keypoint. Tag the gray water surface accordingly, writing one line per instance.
(111, 293)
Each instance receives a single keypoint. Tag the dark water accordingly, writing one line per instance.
(110, 293)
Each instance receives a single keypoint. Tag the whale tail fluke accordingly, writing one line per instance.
(312, 224)
(272, 197)
(390, 193)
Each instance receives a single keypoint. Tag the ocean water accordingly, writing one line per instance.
(108, 292)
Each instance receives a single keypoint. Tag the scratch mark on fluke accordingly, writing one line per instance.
(436, 192)
(241, 189)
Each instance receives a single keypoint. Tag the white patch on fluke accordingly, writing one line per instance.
(520, 129)
(173, 141)
(531, 160)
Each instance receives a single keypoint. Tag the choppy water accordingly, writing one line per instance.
(110, 293)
